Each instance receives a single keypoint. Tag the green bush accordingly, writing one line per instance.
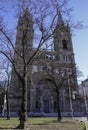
(83, 125)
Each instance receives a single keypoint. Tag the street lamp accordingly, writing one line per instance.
(70, 97)
(84, 94)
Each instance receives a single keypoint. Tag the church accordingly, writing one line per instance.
(42, 97)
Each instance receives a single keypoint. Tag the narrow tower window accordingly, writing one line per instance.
(64, 43)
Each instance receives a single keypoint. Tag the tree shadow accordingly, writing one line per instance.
(5, 128)
(46, 122)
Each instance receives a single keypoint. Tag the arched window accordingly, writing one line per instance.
(64, 43)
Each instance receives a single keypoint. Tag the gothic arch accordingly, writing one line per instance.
(64, 44)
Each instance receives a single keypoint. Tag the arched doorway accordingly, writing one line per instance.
(45, 97)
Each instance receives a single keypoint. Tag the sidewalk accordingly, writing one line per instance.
(84, 119)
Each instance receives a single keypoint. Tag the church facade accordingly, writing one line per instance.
(42, 97)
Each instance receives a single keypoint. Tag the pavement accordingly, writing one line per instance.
(84, 119)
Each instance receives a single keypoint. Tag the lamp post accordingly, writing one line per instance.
(84, 94)
(70, 97)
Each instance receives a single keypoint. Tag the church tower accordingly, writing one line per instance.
(23, 49)
(62, 36)
(63, 43)
(25, 33)
(64, 50)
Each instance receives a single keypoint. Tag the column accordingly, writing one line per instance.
(52, 107)
(63, 92)
(41, 102)
(32, 98)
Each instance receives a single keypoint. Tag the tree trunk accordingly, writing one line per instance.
(58, 107)
(22, 125)
(7, 103)
(23, 110)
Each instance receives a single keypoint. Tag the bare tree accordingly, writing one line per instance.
(59, 78)
(79, 74)
(5, 68)
(2, 93)
(8, 73)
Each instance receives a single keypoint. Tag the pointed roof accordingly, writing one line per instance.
(60, 23)
(60, 19)
(26, 14)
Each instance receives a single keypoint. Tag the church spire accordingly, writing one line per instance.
(60, 22)
(27, 15)
(26, 12)
(60, 19)
(25, 27)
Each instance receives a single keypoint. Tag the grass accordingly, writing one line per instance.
(43, 124)
(86, 126)
(83, 125)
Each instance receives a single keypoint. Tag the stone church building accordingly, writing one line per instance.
(42, 98)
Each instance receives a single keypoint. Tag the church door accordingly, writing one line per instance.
(46, 106)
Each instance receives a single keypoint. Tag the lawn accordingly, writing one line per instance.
(43, 124)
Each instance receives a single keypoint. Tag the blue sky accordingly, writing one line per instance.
(79, 37)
